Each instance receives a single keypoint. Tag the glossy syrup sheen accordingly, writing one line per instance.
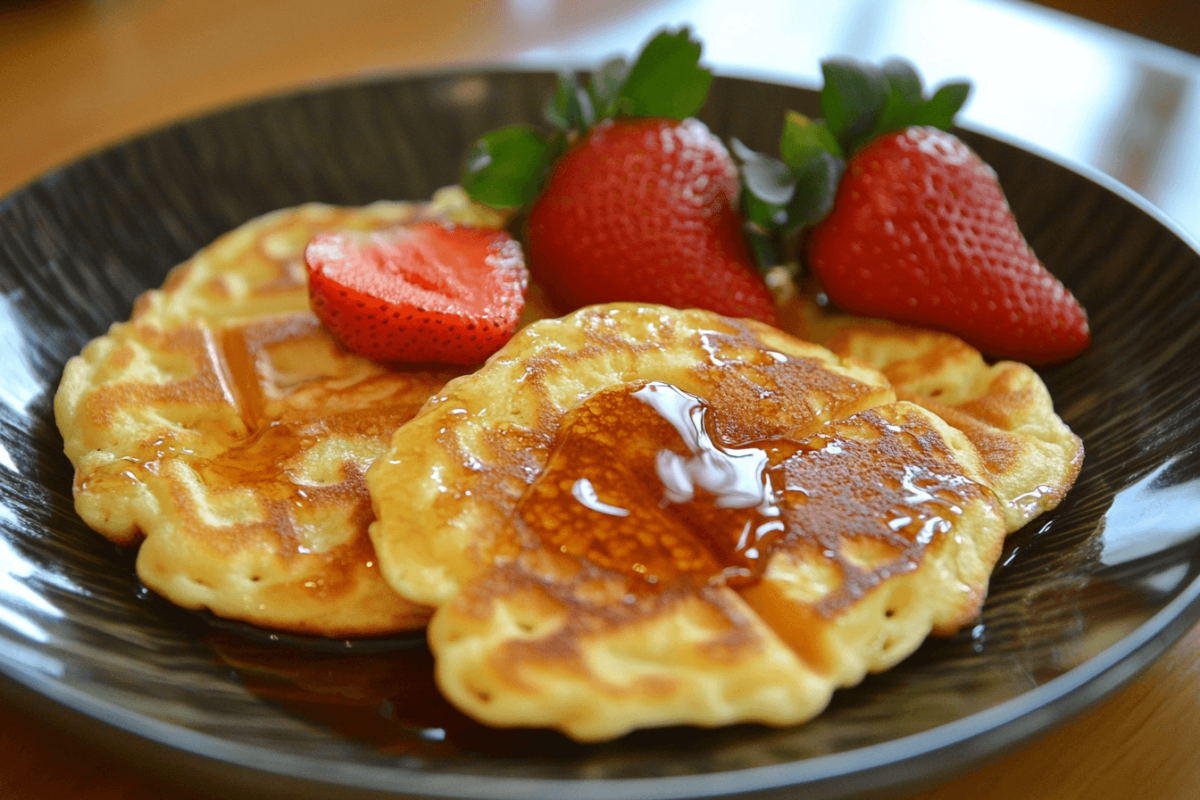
(259, 428)
(242, 466)
(641, 484)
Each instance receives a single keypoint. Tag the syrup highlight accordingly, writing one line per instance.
(640, 483)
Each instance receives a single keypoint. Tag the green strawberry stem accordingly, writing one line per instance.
(860, 102)
(507, 167)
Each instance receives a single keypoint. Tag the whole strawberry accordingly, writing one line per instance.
(641, 207)
(428, 293)
(920, 232)
(645, 210)
(914, 226)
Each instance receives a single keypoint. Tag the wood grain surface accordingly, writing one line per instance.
(75, 76)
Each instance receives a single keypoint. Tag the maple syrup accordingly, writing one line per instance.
(642, 484)
(250, 441)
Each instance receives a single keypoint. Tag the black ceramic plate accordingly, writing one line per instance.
(1083, 597)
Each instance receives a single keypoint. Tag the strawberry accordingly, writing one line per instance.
(913, 226)
(920, 232)
(645, 209)
(641, 207)
(425, 293)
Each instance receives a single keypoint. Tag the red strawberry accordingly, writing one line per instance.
(639, 208)
(426, 293)
(920, 232)
(645, 210)
(913, 227)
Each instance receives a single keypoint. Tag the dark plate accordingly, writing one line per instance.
(1083, 597)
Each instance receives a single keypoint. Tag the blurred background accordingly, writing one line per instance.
(1113, 84)
(1172, 22)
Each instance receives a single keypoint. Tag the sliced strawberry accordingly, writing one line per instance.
(428, 293)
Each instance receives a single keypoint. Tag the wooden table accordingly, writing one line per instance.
(75, 76)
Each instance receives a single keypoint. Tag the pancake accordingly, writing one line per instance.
(226, 431)
(1031, 456)
(637, 516)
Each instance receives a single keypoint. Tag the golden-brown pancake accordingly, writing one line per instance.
(228, 432)
(1031, 457)
(637, 516)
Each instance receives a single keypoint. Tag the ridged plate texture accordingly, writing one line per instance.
(1083, 597)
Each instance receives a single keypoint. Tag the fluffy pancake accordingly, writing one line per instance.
(1030, 457)
(224, 429)
(636, 516)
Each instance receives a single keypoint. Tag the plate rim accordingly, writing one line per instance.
(1018, 720)
(1006, 725)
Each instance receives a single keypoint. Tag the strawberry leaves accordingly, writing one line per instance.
(506, 167)
(667, 80)
(860, 102)
(851, 100)
(605, 88)
(793, 191)
(571, 107)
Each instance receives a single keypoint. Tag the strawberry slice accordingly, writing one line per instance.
(428, 293)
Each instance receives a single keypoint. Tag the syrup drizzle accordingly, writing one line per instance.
(260, 426)
(641, 484)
